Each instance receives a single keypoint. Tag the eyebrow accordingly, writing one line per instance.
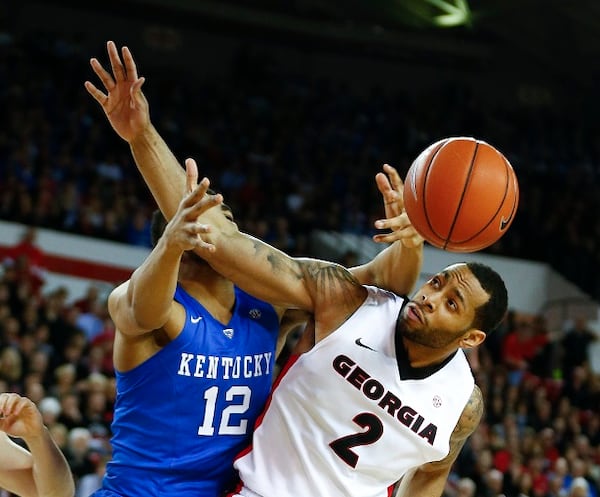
(459, 295)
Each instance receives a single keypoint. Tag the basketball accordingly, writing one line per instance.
(461, 194)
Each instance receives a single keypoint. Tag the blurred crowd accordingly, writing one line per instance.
(292, 155)
(540, 435)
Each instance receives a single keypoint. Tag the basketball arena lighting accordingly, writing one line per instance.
(454, 13)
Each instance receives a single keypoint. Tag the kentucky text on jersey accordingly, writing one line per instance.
(217, 367)
(374, 390)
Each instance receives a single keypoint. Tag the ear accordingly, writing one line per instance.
(472, 338)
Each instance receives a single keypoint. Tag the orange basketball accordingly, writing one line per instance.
(461, 194)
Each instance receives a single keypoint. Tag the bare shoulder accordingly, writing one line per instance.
(471, 415)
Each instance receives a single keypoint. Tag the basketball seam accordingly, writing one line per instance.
(424, 195)
(506, 188)
(512, 175)
(462, 195)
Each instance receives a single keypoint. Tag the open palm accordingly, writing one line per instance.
(123, 103)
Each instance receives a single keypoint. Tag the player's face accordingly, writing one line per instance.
(190, 255)
(441, 313)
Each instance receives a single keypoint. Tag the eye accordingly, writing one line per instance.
(435, 282)
(452, 304)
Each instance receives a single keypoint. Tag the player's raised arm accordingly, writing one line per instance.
(397, 267)
(272, 275)
(144, 303)
(127, 110)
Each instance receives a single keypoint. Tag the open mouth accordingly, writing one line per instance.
(413, 313)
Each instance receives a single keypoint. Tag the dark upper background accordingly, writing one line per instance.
(315, 95)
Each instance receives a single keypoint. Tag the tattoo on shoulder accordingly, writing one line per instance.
(331, 278)
(471, 415)
(467, 423)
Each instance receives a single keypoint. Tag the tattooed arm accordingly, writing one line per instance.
(430, 479)
(326, 289)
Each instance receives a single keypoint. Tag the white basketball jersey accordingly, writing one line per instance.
(342, 422)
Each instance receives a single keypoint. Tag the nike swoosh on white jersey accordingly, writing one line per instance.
(195, 320)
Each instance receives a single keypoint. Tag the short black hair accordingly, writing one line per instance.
(157, 226)
(489, 315)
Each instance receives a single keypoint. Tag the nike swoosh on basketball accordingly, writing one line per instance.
(505, 222)
(196, 319)
(360, 344)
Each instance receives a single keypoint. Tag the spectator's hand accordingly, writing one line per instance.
(19, 416)
(391, 187)
(124, 104)
(184, 230)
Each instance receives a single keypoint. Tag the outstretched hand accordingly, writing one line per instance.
(123, 103)
(391, 187)
(184, 231)
(19, 417)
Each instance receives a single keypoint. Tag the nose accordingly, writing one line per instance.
(426, 302)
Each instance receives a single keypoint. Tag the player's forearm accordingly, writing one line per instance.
(424, 484)
(396, 268)
(160, 169)
(51, 472)
(258, 268)
(152, 286)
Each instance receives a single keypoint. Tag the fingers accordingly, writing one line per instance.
(135, 92)
(103, 74)
(385, 187)
(402, 230)
(395, 180)
(130, 67)
(407, 235)
(196, 193)
(191, 174)
(397, 185)
(408, 241)
(390, 196)
(11, 404)
(393, 223)
(197, 201)
(199, 244)
(98, 95)
(115, 62)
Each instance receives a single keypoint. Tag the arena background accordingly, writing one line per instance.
(291, 108)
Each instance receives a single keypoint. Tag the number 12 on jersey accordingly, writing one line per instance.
(241, 395)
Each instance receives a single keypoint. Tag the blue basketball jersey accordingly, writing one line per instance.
(182, 416)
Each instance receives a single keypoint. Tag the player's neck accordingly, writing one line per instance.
(215, 293)
(421, 356)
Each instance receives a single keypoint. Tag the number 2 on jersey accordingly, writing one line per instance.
(242, 396)
(343, 446)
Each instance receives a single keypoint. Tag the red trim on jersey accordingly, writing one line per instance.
(236, 490)
(290, 362)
